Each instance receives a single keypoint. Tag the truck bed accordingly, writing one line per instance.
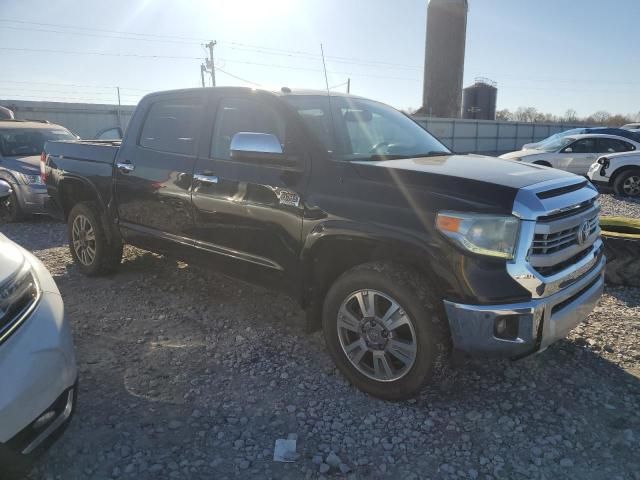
(97, 151)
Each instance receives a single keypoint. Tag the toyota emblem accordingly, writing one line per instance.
(583, 232)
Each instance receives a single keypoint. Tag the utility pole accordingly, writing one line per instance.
(210, 63)
(203, 69)
(348, 85)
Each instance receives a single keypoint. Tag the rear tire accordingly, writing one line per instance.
(621, 237)
(95, 249)
(386, 361)
(15, 213)
(628, 183)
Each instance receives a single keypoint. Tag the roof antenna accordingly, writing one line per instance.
(326, 82)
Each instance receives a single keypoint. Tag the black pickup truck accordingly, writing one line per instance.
(401, 250)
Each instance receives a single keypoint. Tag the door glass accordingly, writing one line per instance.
(238, 114)
(173, 125)
(584, 145)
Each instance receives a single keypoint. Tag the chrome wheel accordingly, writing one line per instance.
(84, 240)
(631, 186)
(377, 335)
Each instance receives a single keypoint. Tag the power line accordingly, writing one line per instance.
(110, 87)
(102, 54)
(237, 78)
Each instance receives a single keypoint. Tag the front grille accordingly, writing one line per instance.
(18, 296)
(546, 243)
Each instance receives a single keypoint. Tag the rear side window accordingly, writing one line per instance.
(173, 126)
(240, 114)
(584, 145)
(611, 145)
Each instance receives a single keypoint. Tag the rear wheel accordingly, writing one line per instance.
(621, 237)
(628, 183)
(14, 212)
(93, 247)
(384, 330)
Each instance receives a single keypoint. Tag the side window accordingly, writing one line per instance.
(584, 145)
(242, 114)
(110, 134)
(611, 145)
(173, 126)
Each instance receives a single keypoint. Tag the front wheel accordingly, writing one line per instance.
(93, 248)
(384, 330)
(628, 183)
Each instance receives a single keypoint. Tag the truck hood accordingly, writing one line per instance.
(490, 170)
(27, 165)
(479, 182)
(11, 258)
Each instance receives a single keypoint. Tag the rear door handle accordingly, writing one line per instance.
(125, 167)
(208, 179)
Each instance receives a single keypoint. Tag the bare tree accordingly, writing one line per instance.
(601, 117)
(504, 115)
(570, 115)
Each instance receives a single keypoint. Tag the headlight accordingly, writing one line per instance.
(490, 235)
(30, 179)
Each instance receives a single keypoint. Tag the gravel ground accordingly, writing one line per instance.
(620, 207)
(189, 374)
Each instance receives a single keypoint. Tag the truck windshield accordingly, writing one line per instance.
(18, 142)
(363, 129)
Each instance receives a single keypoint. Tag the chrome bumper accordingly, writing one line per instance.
(540, 322)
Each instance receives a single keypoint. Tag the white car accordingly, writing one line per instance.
(631, 126)
(38, 371)
(620, 171)
(575, 153)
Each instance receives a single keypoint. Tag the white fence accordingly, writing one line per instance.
(464, 136)
(85, 119)
(485, 136)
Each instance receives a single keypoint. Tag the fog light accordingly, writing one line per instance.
(43, 420)
(506, 327)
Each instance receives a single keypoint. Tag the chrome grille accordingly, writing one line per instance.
(18, 296)
(564, 238)
(545, 243)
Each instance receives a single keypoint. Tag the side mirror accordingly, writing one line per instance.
(568, 150)
(253, 147)
(5, 190)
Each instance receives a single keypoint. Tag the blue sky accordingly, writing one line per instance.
(550, 54)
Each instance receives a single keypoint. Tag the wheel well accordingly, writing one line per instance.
(73, 192)
(620, 171)
(543, 162)
(333, 257)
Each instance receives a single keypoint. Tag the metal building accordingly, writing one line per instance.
(444, 57)
(479, 100)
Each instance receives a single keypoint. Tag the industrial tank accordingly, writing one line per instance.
(444, 57)
(479, 100)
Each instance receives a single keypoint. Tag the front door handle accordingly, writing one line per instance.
(208, 179)
(125, 167)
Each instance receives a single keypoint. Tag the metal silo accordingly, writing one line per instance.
(444, 57)
(479, 100)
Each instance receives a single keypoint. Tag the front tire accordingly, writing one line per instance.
(94, 249)
(384, 330)
(628, 183)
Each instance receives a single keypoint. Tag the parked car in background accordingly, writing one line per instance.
(397, 247)
(631, 126)
(574, 154)
(620, 171)
(6, 114)
(580, 131)
(21, 144)
(38, 374)
(111, 133)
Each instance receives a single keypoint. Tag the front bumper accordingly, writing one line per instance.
(538, 322)
(31, 198)
(37, 375)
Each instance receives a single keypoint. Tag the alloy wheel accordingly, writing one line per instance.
(84, 240)
(377, 335)
(631, 186)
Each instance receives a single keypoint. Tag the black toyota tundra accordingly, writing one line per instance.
(399, 249)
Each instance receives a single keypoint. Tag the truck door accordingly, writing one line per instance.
(153, 173)
(248, 210)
